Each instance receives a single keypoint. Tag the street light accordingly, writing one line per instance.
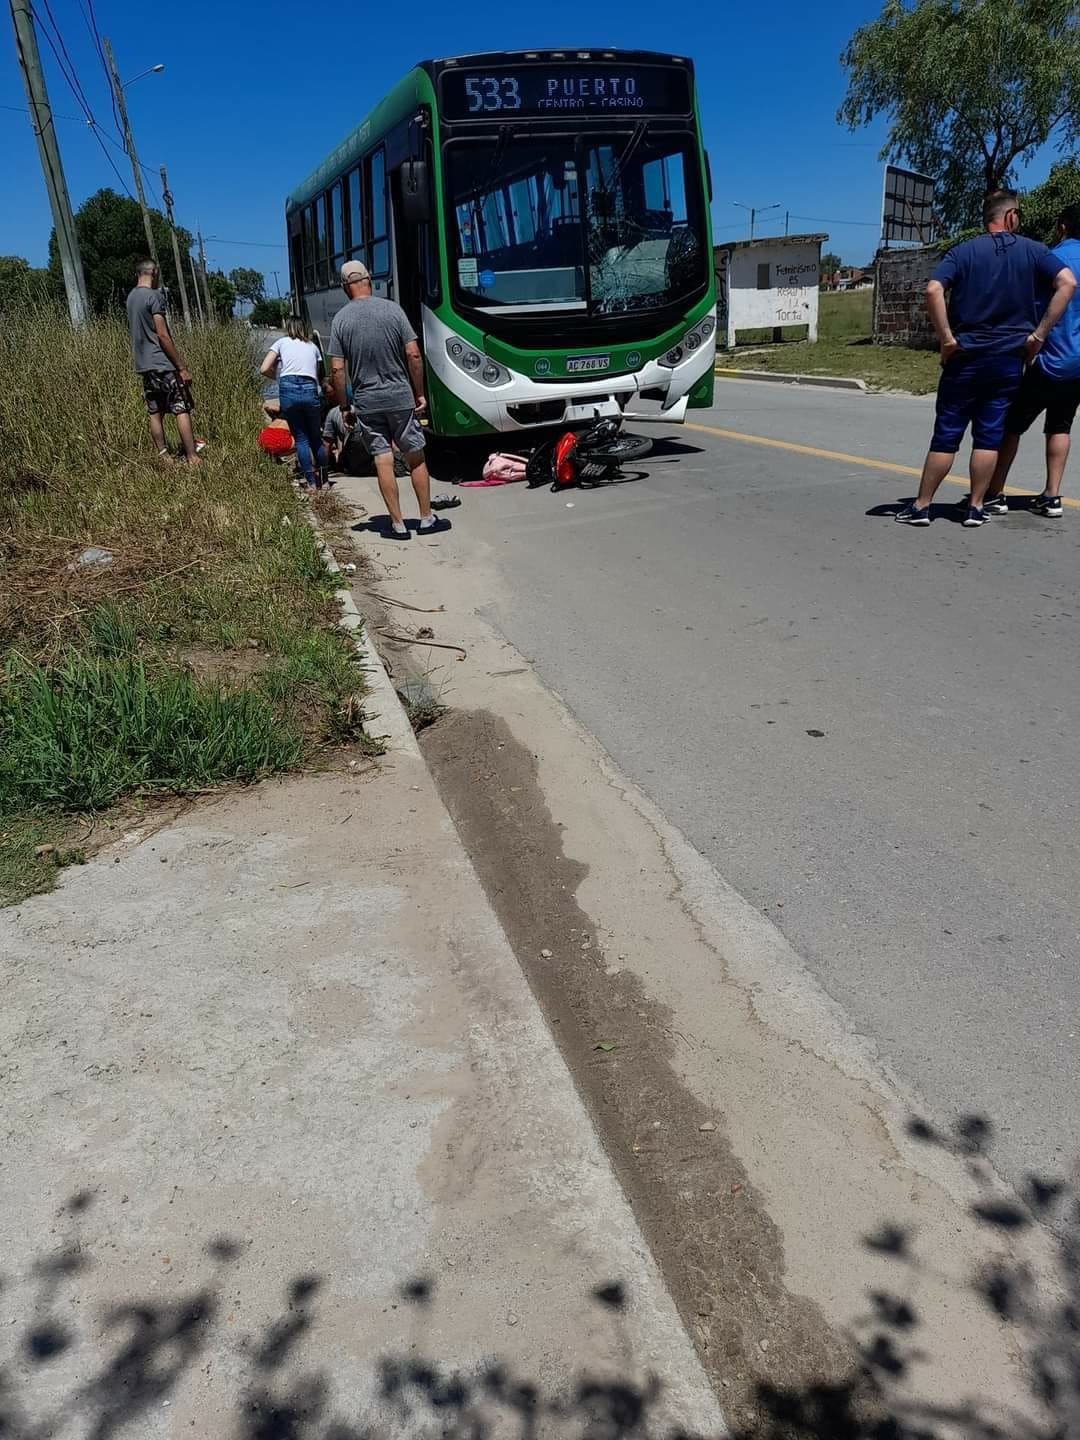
(755, 211)
(153, 70)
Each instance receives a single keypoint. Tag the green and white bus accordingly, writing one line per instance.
(543, 218)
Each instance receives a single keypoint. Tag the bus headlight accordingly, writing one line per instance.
(691, 341)
(476, 365)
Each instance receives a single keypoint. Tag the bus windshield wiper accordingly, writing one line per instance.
(505, 135)
(640, 131)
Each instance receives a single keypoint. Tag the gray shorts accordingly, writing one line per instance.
(381, 431)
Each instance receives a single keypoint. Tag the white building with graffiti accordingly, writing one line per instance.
(767, 284)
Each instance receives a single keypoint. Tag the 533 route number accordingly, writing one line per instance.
(492, 92)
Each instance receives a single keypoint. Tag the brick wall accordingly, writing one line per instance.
(900, 316)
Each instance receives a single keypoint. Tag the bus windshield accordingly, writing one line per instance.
(604, 223)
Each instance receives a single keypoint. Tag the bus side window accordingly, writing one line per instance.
(296, 263)
(309, 247)
(380, 245)
(321, 251)
(356, 217)
(337, 230)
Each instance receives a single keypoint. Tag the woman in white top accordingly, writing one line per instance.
(296, 361)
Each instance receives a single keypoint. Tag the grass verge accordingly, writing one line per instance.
(204, 650)
(844, 314)
(32, 851)
(883, 367)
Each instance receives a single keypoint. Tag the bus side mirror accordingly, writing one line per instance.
(415, 192)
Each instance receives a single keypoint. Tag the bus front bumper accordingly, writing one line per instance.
(654, 392)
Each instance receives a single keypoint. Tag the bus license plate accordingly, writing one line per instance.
(576, 363)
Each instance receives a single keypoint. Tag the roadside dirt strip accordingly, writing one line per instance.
(759, 1139)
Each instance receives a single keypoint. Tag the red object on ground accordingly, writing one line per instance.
(275, 440)
(565, 466)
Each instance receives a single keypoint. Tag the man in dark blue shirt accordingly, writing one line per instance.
(1051, 384)
(997, 317)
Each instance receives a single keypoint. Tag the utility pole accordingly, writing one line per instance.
(277, 287)
(755, 211)
(787, 221)
(205, 282)
(195, 282)
(129, 146)
(166, 195)
(67, 241)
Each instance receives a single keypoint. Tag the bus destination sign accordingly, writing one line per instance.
(503, 92)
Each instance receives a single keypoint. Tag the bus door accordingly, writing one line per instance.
(411, 239)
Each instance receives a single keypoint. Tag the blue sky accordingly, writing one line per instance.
(253, 95)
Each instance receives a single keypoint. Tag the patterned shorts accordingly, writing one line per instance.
(166, 394)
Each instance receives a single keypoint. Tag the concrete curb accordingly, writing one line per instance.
(826, 382)
(387, 719)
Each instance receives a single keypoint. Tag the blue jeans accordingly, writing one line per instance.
(299, 400)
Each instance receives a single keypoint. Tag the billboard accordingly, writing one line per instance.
(907, 206)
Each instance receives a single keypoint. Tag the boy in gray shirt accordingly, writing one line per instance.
(166, 379)
(373, 339)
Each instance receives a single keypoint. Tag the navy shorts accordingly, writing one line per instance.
(976, 390)
(1038, 392)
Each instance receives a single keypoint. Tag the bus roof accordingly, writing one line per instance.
(416, 87)
(403, 98)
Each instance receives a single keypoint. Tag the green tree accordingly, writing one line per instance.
(249, 284)
(113, 241)
(270, 312)
(1041, 206)
(222, 294)
(829, 265)
(23, 284)
(969, 88)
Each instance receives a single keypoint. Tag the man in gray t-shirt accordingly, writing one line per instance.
(166, 379)
(372, 340)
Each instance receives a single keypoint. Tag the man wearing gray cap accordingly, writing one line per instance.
(372, 339)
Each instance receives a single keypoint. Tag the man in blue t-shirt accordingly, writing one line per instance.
(1051, 383)
(997, 316)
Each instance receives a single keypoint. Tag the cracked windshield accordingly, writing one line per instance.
(607, 225)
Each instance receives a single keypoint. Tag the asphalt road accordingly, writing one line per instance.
(920, 853)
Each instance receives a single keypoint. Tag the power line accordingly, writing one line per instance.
(77, 91)
(95, 34)
(90, 125)
(117, 146)
(70, 63)
(81, 94)
(255, 244)
(25, 110)
(822, 220)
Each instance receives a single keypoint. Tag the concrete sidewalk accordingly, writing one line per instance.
(261, 1067)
